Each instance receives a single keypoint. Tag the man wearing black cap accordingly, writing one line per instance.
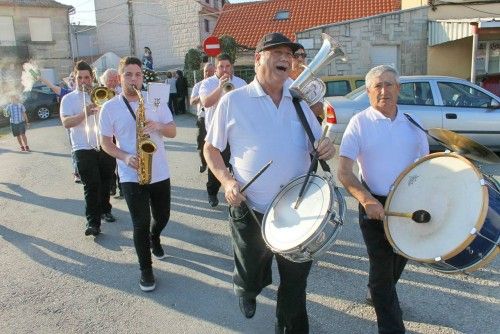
(260, 124)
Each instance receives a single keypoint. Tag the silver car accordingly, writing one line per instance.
(437, 101)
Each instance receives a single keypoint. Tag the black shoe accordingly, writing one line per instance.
(368, 298)
(213, 200)
(108, 217)
(156, 248)
(147, 282)
(248, 306)
(203, 168)
(92, 230)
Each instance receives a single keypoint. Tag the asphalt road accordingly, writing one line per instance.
(56, 280)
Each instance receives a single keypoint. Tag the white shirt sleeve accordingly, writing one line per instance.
(218, 131)
(105, 124)
(350, 145)
(196, 90)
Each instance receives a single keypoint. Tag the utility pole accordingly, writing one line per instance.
(131, 27)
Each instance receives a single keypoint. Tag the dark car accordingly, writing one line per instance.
(40, 103)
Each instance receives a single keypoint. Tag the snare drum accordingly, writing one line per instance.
(464, 231)
(304, 234)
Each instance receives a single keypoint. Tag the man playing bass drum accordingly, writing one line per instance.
(119, 119)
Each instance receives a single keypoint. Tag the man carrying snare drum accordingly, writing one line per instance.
(260, 123)
(383, 142)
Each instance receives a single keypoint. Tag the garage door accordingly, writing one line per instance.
(384, 55)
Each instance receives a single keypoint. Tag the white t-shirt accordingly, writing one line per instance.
(72, 104)
(117, 121)
(208, 86)
(258, 132)
(195, 93)
(381, 147)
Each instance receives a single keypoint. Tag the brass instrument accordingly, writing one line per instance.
(308, 86)
(144, 145)
(98, 96)
(227, 87)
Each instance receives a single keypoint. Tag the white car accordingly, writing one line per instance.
(437, 101)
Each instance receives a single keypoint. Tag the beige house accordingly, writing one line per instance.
(168, 28)
(35, 31)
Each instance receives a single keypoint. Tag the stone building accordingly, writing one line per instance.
(168, 28)
(35, 31)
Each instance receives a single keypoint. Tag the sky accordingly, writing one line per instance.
(84, 10)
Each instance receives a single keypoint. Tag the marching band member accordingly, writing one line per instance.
(111, 79)
(94, 166)
(260, 123)
(119, 119)
(211, 90)
(208, 71)
(383, 142)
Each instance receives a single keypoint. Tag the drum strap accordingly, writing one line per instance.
(307, 128)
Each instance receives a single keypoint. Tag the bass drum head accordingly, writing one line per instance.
(449, 187)
(285, 228)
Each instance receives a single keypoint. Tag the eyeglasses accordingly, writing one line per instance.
(300, 54)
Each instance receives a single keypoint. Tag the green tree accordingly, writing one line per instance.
(192, 64)
(228, 45)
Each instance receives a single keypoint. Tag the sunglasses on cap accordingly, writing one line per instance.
(300, 54)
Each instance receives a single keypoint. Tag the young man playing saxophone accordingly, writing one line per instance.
(119, 117)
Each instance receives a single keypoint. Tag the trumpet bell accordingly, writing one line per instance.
(227, 87)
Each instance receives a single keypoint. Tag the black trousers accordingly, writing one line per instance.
(252, 272)
(172, 103)
(140, 198)
(200, 138)
(95, 169)
(213, 185)
(385, 270)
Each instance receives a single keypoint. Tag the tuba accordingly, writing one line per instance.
(308, 86)
(144, 145)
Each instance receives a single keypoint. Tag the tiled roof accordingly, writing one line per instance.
(34, 3)
(248, 22)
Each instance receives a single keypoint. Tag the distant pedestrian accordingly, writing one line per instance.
(181, 85)
(172, 99)
(147, 59)
(18, 121)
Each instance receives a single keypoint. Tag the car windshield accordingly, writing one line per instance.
(356, 93)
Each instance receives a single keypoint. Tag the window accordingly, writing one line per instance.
(282, 15)
(416, 93)
(338, 88)
(207, 25)
(359, 83)
(7, 36)
(460, 95)
(40, 29)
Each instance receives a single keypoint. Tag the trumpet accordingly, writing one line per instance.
(227, 87)
(98, 96)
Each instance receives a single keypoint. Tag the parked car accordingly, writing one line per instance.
(340, 85)
(40, 103)
(437, 101)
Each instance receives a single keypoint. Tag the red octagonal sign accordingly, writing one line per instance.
(211, 46)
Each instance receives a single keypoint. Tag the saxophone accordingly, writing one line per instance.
(144, 145)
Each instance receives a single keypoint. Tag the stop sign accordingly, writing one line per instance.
(211, 46)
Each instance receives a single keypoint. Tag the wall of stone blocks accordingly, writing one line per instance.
(405, 29)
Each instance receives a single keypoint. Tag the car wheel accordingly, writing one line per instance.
(43, 112)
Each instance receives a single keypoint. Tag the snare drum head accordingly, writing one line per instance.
(285, 228)
(449, 187)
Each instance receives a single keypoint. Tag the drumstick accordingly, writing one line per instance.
(256, 176)
(313, 163)
(419, 216)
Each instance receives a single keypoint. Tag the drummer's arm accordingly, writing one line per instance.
(218, 168)
(345, 174)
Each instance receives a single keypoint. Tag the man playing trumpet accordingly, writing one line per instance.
(94, 165)
(211, 90)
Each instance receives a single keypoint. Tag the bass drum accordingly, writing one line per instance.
(464, 231)
(306, 233)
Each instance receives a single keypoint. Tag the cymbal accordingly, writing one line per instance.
(464, 146)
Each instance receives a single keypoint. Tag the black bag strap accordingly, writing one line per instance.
(307, 128)
(129, 107)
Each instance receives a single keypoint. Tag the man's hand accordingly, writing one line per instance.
(224, 79)
(326, 149)
(151, 127)
(131, 161)
(232, 193)
(374, 209)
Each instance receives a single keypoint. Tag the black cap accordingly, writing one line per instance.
(276, 39)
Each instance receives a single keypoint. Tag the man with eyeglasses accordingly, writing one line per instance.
(299, 61)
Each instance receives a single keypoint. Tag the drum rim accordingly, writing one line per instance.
(478, 224)
(305, 242)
